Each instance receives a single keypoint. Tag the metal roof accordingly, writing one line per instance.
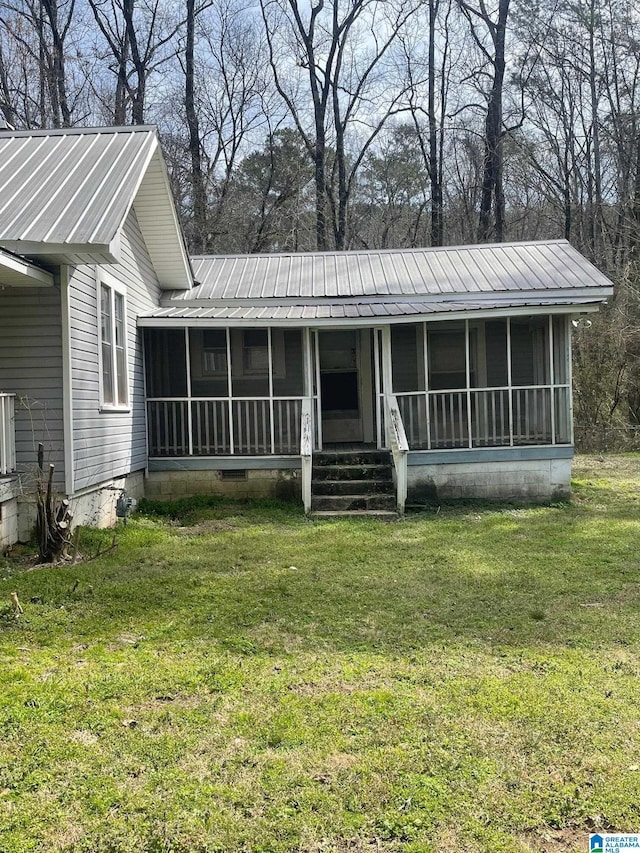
(186, 314)
(438, 272)
(70, 186)
(65, 195)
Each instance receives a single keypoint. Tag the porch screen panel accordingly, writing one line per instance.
(530, 373)
(407, 359)
(530, 351)
(489, 372)
(447, 359)
(165, 362)
(288, 363)
(208, 362)
(562, 396)
(250, 363)
(495, 349)
(560, 351)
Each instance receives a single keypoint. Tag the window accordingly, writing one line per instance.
(214, 353)
(113, 348)
(256, 351)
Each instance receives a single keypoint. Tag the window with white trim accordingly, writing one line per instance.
(114, 386)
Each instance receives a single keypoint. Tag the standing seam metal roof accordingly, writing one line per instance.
(70, 186)
(483, 269)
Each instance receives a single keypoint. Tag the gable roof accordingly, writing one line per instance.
(389, 285)
(65, 194)
(443, 271)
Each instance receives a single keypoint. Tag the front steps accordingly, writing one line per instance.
(353, 483)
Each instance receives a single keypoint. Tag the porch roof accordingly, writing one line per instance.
(440, 273)
(354, 312)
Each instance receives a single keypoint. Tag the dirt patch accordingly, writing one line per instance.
(569, 840)
(205, 528)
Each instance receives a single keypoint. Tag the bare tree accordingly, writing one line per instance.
(140, 36)
(341, 49)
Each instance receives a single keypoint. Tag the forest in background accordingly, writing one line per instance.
(291, 125)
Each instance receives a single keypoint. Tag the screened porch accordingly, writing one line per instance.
(455, 384)
(484, 383)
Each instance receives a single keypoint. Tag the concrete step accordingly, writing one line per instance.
(352, 457)
(380, 514)
(351, 472)
(348, 503)
(353, 487)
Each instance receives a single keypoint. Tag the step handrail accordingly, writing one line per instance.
(397, 441)
(306, 453)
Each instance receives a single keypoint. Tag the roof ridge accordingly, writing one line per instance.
(87, 131)
(408, 250)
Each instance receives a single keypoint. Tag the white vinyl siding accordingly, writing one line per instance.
(31, 368)
(110, 442)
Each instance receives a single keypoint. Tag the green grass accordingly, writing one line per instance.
(237, 678)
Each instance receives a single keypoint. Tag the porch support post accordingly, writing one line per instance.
(387, 366)
(189, 407)
(271, 406)
(378, 387)
(308, 372)
(568, 348)
(425, 353)
(467, 367)
(552, 381)
(230, 390)
(387, 375)
(316, 335)
(509, 381)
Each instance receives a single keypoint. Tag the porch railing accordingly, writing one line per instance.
(487, 417)
(397, 441)
(221, 426)
(7, 434)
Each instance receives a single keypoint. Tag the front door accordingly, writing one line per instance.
(345, 386)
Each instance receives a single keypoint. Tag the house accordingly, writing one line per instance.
(352, 380)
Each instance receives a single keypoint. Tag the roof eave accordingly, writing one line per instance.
(66, 253)
(18, 272)
(341, 322)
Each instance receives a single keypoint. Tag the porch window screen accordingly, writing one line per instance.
(447, 360)
(165, 362)
(494, 365)
(113, 347)
(408, 360)
(288, 363)
(208, 362)
(530, 351)
(249, 362)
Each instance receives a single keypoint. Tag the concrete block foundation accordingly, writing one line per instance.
(531, 480)
(9, 491)
(248, 483)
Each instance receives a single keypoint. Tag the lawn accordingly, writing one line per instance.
(238, 678)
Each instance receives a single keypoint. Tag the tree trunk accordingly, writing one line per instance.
(437, 232)
(492, 184)
(195, 147)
